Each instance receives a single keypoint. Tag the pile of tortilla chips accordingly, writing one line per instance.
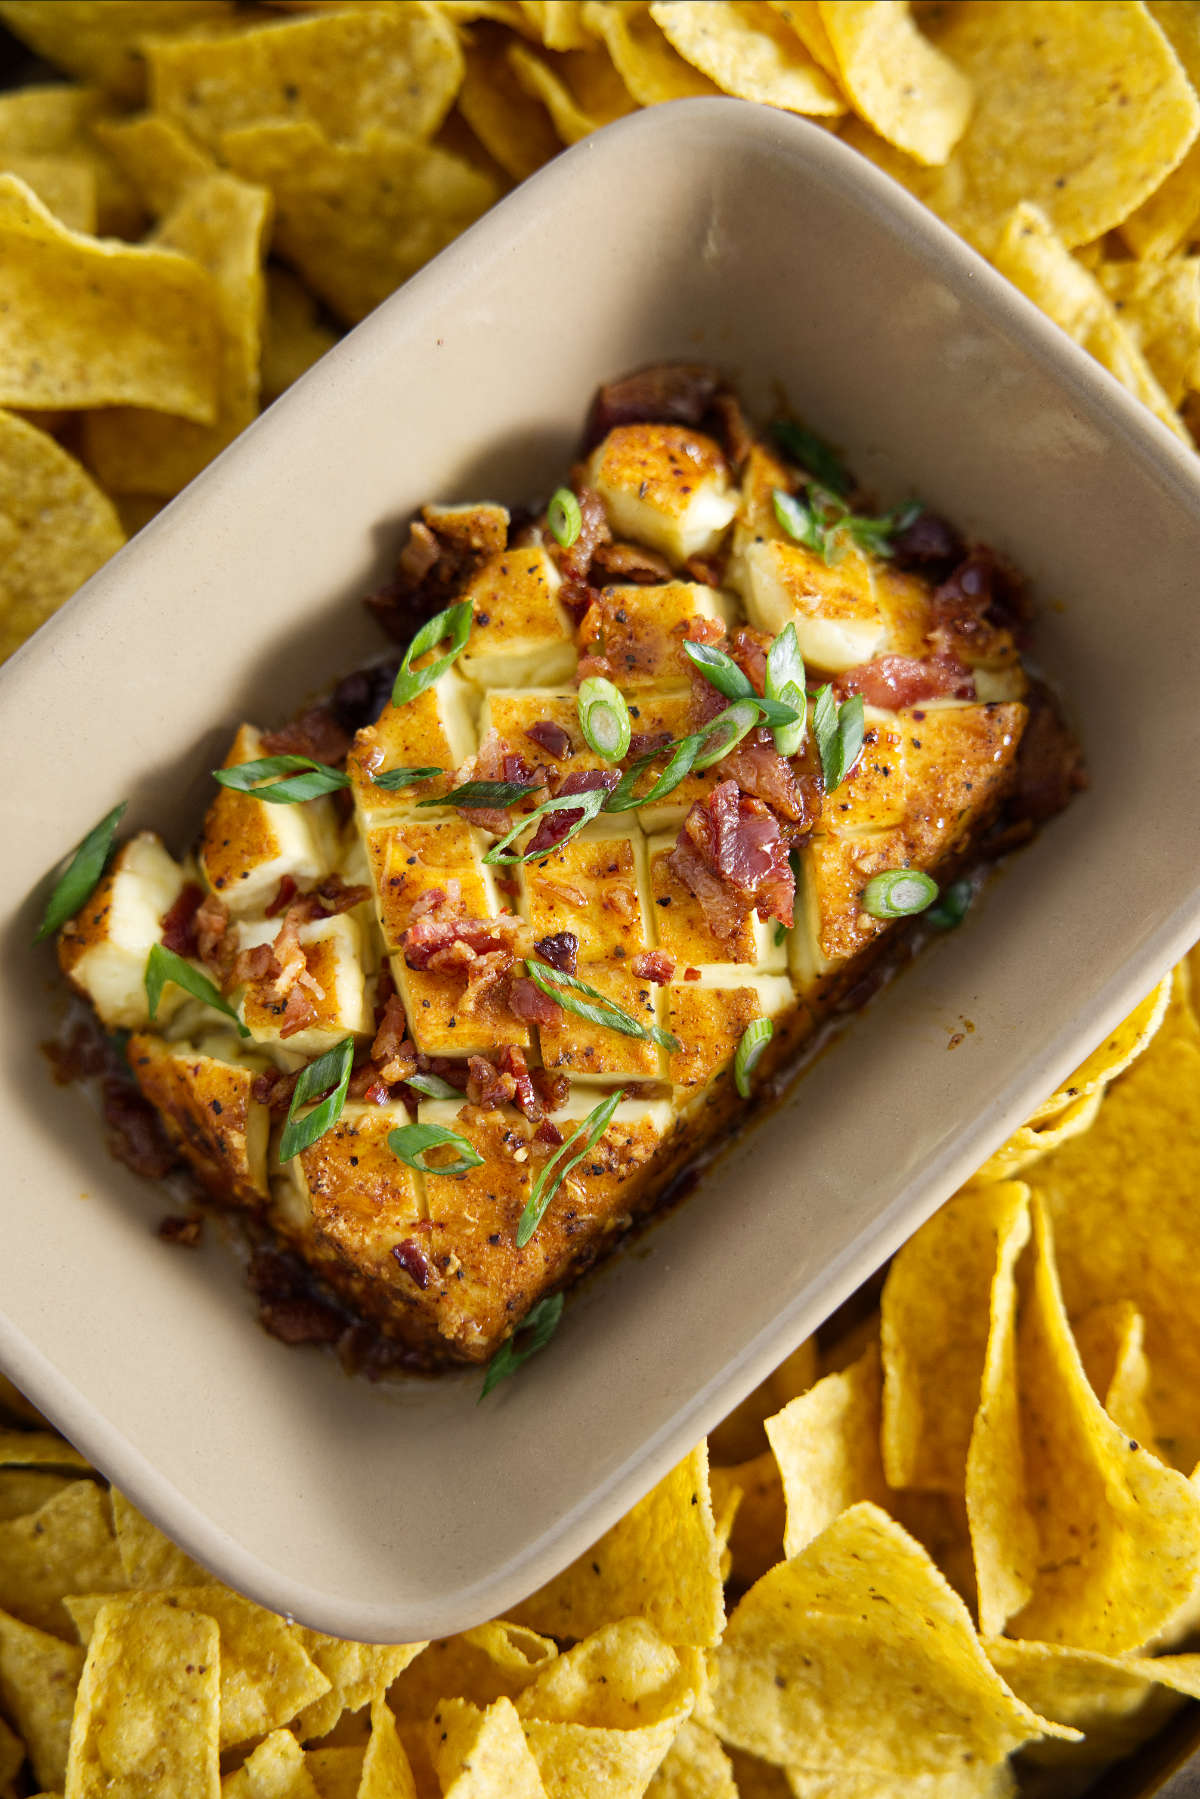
(951, 1547)
(191, 220)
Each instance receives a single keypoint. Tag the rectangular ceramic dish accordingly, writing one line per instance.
(707, 229)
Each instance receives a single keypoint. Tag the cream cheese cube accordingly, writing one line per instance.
(664, 486)
(249, 845)
(104, 948)
(838, 621)
(333, 952)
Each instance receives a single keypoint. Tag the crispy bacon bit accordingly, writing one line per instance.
(285, 893)
(289, 1304)
(185, 1230)
(617, 897)
(299, 1012)
(441, 943)
(655, 965)
(734, 434)
(253, 964)
(708, 569)
(392, 1053)
(135, 1133)
(447, 1068)
(561, 951)
(929, 544)
(326, 900)
(548, 1133)
(550, 737)
(670, 393)
(982, 600)
(554, 826)
(273, 1089)
(591, 668)
(691, 974)
(758, 768)
(646, 743)
(749, 650)
(629, 564)
(575, 560)
(435, 898)
(495, 760)
(487, 1086)
(179, 924)
(553, 1090)
(1049, 768)
(414, 1261)
(315, 733)
(577, 598)
(515, 1068)
(83, 1051)
(896, 681)
(434, 566)
(216, 943)
(529, 1003)
(731, 855)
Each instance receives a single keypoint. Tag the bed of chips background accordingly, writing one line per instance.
(960, 1540)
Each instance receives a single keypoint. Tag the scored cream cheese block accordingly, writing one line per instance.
(433, 1259)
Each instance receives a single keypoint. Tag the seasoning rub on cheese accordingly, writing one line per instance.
(448, 999)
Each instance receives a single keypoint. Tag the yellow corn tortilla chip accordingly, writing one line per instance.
(1030, 1142)
(857, 1654)
(748, 51)
(493, 1661)
(619, 1678)
(38, 1677)
(1111, 1343)
(275, 1769)
(23, 1490)
(1122, 1202)
(56, 530)
(1121, 1047)
(1117, 1704)
(294, 336)
(660, 1562)
(510, 123)
(61, 121)
(827, 1446)
(804, 17)
(65, 185)
(502, 12)
(641, 55)
(896, 79)
(1159, 305)
(335, 1772)
(756, 1539)
(694, 1767)
(146, 1719)
(222, 223)
(386, 1773)
(580, 89)
(100, 40)
(12, 1760)
(398, 67)
(66, 1546)
(935, 1328)
(1055, 82)
(1163, 223)
(480, 1753)
(357, 1673)
(38, 1449)
(156, 155)
(560, 24)
(1038, 262)
(149, 1558)
(86, 322)
(1118, 1533)
(740, 1436)
(357, 220)
(972, 1782)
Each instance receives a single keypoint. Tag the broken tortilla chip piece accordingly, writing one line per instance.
(856, 1654)
(827, 1445)
(25, 1489)
(1030, 1142)
(65, 185)
(156, 155)
(294, 335)
(1117, 1704)
(66, 1546)
(749, 52)
(357, 1672)
(512, 125)
(580, 89)
(480, 1753)
(38, 1677)
(740, 1435)
(61, 121)
(275, 1769)
(641, 55)
(756, 1538)
(149, 1558)
(1111, 1343)
(1164, 222)
(660, 1562)
(493, 1661)
(895, 78)
(561, 24)
(1121, 1047)
(100, 40)
(1159, 305)
(694, 1767)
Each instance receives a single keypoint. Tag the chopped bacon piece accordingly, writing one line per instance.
(629, 563)
(253, 964)
(484, 974)
(550, 737)
(554, 826)
(979, 602)
(487, 1087)
(548, 1133)
(749, 650)
(736, 438)
(561, 951)
(216, 944)
(391, 1041)
(285, 893)
(929, 544)
(529, 1003)
(575, 560)
(708, 569)
(896, 681)
(496, 761)
(315, 733)
(428, 939)
(185, 1230)
(273, 1089)
(360, 697)
(414, 1261)
(299, 1012)
(591, 668)
(515, 1068)
(433, 568)
(577, 597)
(553, 1090)
(655, 965)
(691, 974)
(670, 393)
(1050, 766)
(301, 1320)
(731, 855)
(179, 924)
(758, 768)
(448, 1068)
(135, 1133)
(326, 900)
(647, 743)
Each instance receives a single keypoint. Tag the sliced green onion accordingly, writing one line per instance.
(433, 1086)
(785, 683)
(682, 755)
(719, 669)
(81, 876)
(726, 730)
(755, 1038)
(396, 778)
(898, 893)
(454, 623)
(594, 1006)
(413, 1142)
(304, 779)
(604, 718)
(839, 732)
(163, 965)
(798, 519)
(781, 932)
(474, 794)
(874, 535)
(329, 1074)
(812, 454)
(538, 1326)
(559, 1166)
(564, 517)
(586, 804)
(952, 907)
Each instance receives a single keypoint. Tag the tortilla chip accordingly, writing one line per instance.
(856, 1654)
(275, 1769)
(896, 79)
(159, 158)
(481, 1753)
(940, 1290)
(146, 1718)
(756, 1538)
(660, 1562)
(560, 24)
(741, 1436)
(580, 89)
(294, 336)
(38, 1677)
(60, 121)
(222, 223)
(23, 1490)
(748, 51)
(39, 1449)
(493, 1661)
(56, 530)
(1116, 1704)
(1162, 224)
(972, 1782)
(1030, 1142)
(804, 17)
(1049, 124)
(356, 221)
(1111, 1343)
(641, 55)
(695, 1767)
(99, 40)
(12, 1760)
(335, 1772)
(397, 66)
(827, 1446)
(149, 1558)
(510, 123)
(65, 185)
(357, 1673)
(1121, 1047)
(66, 1546)
(1159, 305)
(86, 322)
